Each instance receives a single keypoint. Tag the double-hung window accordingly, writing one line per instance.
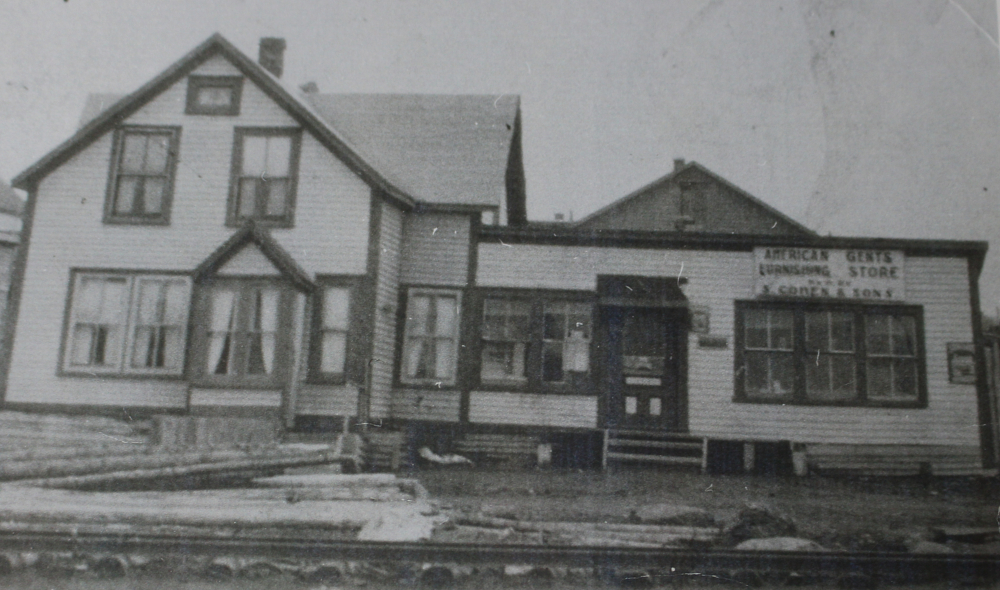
(812, 353)
(141, 182)
(331, 341)
(430, 341)
(247, 333)
(127, 324)
(265, 170)
(534, 341)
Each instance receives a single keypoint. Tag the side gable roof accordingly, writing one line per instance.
(252, 233)
(214, 45)
(441, 149)
(607, 214)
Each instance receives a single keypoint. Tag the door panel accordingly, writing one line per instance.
(644, 381)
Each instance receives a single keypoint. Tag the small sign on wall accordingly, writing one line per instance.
(700, 319)
(961, 362)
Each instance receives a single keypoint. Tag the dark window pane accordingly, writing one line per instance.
(843, 379)
(781, 330)
(818, 376)
(877, 328)
(879, 378)
(817, 332)
(756, 329)
(782, 374)
(493, 327)
(552, 361)
(842, 332)
(904, 337)
(555, 326)
(904, 373)
(769, 375)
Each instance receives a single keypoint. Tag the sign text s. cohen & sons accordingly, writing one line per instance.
(829, 273)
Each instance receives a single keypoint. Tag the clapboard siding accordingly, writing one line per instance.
(426, 404)
(252, 398)
(330, 234)
(940, 285)
(386, 301)
(436, 249)
(527, 409)
(895, 459)
(327, 400)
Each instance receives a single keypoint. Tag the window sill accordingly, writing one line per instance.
(120, 220)
(207, 383)
(901, 404)
(261, 222)
(98, 374)
(434, 385)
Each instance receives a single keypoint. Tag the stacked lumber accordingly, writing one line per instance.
(344, 506)
(20, 431)
(600, 534)
(498, 446)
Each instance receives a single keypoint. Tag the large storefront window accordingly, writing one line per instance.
(534, 340)
(829, 354)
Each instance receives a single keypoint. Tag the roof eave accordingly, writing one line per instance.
(214, 44)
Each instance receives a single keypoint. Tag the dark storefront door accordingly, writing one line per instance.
(645, 367)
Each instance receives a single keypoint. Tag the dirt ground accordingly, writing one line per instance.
(839, 513)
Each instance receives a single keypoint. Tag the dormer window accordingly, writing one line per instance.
(214, 95)
(265, 165)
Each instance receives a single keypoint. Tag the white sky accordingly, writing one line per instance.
(856, 118)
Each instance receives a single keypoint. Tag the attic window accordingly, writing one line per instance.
(214, 95)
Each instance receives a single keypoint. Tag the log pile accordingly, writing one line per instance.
(590, 534)
(66, 474)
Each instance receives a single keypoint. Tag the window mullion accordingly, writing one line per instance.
(799, 353)
(130, 320)
(536, 333)
(861, 355)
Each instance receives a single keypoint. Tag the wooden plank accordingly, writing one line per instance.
(655, 458)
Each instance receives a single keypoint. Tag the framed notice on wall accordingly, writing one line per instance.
(961, 362)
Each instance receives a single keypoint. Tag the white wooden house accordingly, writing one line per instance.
(217, 243)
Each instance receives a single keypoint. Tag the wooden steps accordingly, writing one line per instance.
(663, 448)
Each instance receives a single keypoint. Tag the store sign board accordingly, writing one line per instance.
(826, 273)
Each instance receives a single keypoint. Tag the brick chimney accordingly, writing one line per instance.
(272, 55)
(678, 162)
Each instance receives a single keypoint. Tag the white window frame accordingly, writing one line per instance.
(448, 380)
(121, 363)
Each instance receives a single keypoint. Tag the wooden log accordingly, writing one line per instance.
(176, 470)
(328, 480)
(58, 467)
(686, 532)
(186, 509)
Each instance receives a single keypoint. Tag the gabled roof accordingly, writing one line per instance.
(441, 149)
(214, 45)
(252, 233)
(10, 202)
(437, 149)
(761, 209)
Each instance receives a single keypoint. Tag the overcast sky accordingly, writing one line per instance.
(854, 117)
